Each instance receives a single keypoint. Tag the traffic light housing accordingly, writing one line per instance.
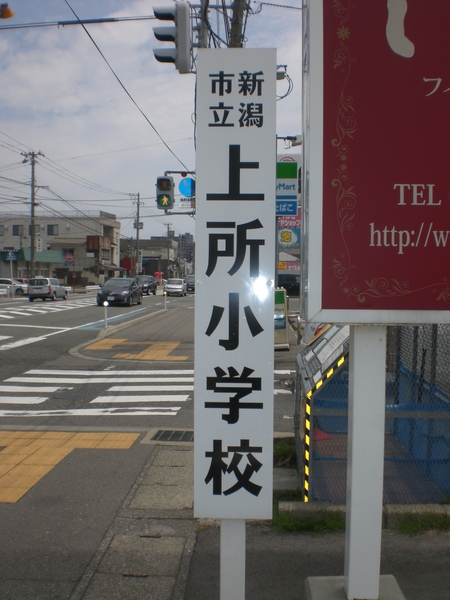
(165, 192)
(180, 35)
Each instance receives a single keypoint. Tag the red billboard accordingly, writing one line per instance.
(386, 137)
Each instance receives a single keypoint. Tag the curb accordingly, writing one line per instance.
(392, 513)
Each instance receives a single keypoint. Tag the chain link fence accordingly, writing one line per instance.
(417, 430)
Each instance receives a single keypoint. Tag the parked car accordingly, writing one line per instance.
(46, 287)
(147, 283)
(19, 289)
(190, 283)
(120, 290)
(175, 287)
(23, 280)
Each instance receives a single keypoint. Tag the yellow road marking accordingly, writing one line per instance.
(152, 351)
(29, 455)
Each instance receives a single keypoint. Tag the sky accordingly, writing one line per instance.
(101, 138)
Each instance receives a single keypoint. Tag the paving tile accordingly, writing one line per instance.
(180, 497)
(117, 587)
(136, 556)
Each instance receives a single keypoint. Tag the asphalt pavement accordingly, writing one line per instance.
(155, 549)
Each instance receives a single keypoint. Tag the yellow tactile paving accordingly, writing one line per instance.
(151, 351)
(27, 456)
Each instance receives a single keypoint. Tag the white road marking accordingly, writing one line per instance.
(19, 343)
(25, 388)
(94, 412)
(151, 388)
(110, 373)
(22, 400)
(117, 399)
(96, 379)
(5, 337)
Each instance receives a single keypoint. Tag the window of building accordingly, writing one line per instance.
(17, 230)
(52, 229)
(2, 230)
(105, 254)
(37, 230)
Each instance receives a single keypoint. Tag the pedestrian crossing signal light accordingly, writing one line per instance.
(165, 192)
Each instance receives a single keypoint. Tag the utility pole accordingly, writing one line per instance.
(137, 225)
(168, 245)
(237, 22)
(31, 156)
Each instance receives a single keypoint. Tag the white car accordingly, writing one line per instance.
(175, 287)
(19, 288)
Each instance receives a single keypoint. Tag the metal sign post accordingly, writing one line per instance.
(234, 319)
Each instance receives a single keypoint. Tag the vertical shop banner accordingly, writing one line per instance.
(377, 129)
(235, 270)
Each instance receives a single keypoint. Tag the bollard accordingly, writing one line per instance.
(106, 304)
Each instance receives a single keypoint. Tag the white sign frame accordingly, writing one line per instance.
(247, 294)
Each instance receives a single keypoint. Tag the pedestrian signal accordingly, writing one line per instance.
(165, 192)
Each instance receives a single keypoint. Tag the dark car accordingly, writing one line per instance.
(148, 284)
(190, 283)
(290, 282)
(120, 290)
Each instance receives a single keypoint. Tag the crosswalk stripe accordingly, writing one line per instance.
(24, 388)
(23, 342)
(111, 373)
(151, 388)
(116, 399)
(22, 400)
(81, 380)
(91, 412)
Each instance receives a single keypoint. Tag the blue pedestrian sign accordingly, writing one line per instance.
(187, 187)
(286, 207)
(11, 256)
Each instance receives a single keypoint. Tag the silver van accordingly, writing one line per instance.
(46, 287)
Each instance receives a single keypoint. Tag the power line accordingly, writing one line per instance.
(125, 89)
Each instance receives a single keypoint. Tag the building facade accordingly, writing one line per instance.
(77, 249)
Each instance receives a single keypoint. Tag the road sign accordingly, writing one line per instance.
(187, 187)
(235, 248)
(11, 256)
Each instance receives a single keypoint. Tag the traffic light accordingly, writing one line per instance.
(164, 192)
(180, 34)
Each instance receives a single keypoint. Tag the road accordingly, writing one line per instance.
(78, 412)
(43, 374)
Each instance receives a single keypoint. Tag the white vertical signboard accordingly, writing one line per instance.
(235, 267)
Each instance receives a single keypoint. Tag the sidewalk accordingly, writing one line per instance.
(156, 550)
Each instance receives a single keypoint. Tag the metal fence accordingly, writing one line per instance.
(417, 432)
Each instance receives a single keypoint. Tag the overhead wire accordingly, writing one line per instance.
(125, 89)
